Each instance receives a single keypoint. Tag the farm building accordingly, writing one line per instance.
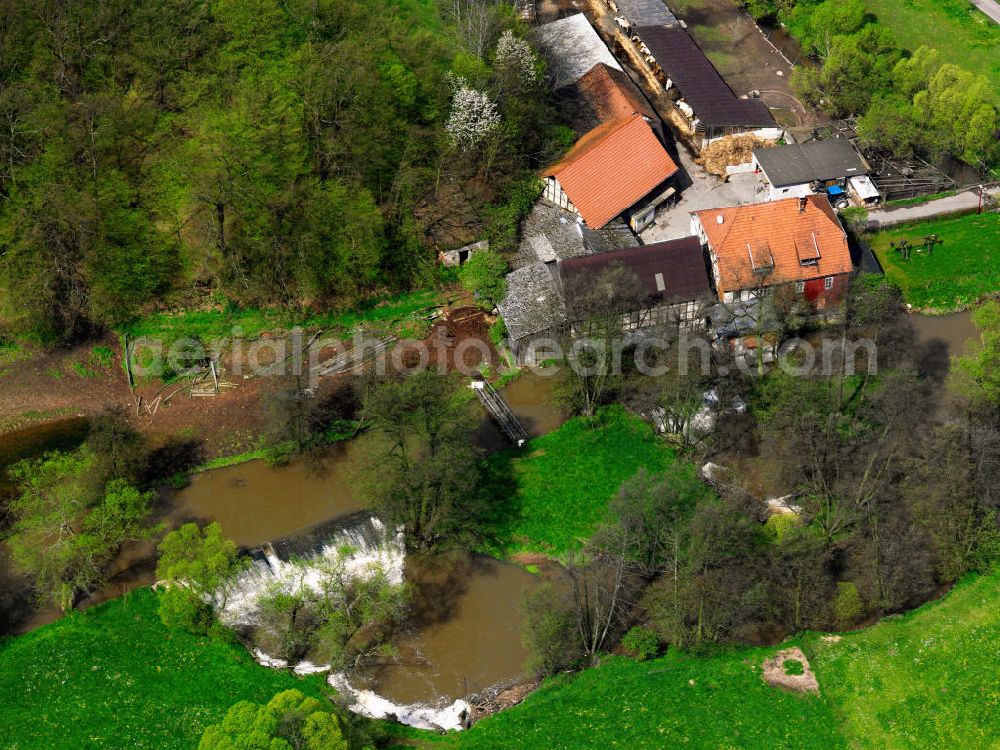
(794, 241)
(609, 170)
(673, 274)
(571, 47)
(799, 169)
(631, 14)
(711, 109)
(605, 94)
(550, 234)
(531, 310)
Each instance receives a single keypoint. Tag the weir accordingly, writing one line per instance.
(501, 413)
(286, 564)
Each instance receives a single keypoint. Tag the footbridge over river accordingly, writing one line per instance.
(501, 413)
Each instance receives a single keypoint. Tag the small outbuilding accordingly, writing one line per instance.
(799, 169)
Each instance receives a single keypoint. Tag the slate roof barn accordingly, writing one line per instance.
(550, 234)
(572, 47)
(646, 12)
(700, 84)
(533, 303)
(816, 161)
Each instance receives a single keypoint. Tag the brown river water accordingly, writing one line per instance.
(464, 634)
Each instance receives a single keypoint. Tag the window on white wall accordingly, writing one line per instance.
(828, 282)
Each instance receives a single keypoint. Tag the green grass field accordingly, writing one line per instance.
(551, 493)
(958, 272)
(114, 677)
(961, 33)
(251, 322)
(925, 680)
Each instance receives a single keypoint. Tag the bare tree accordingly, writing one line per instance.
(599, 307)
(477, 23)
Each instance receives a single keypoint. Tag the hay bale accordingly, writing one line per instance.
(731, 150)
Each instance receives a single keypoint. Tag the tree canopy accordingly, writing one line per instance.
(281, 153)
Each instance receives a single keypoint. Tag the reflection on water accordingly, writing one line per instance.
(954, 330)
(464, 634)
(63, 435)
(255, 502)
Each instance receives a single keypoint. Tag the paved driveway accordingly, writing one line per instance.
(941, 207)
(705, 191)
(990, 8)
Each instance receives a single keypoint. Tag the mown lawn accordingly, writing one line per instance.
(959, 271)
(551, 493)
(114, 677)
(959, 31)
(925, 680)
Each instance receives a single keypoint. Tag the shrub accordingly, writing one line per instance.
(848, 607)
(641, 643)
(548, 631)
(180, 608)
(498, 332)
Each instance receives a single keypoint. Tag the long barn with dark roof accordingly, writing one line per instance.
(712, 108)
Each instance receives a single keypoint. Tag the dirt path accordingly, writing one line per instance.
(72, 382)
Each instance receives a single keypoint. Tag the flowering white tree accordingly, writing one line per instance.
(473, 116)
(516, 59)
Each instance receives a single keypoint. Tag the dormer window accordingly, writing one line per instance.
(807, 249)
(761, 259)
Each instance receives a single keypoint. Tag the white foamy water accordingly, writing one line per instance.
(372, 548)
(374, 706)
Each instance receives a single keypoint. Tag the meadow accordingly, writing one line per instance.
(550, 494)
(115, 677)
(958, 272)
(959, 31)
(923, 680)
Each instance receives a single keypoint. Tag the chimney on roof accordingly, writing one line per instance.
(802, 204)
(719, 219)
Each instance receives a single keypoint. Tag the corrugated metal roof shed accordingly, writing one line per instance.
(713, 102)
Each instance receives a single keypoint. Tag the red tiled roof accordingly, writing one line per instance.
(612, 167)
(612, 95)
(776, 234)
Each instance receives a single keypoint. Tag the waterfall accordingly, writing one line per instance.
(419, 715)
(286, 564)
(290, 563)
